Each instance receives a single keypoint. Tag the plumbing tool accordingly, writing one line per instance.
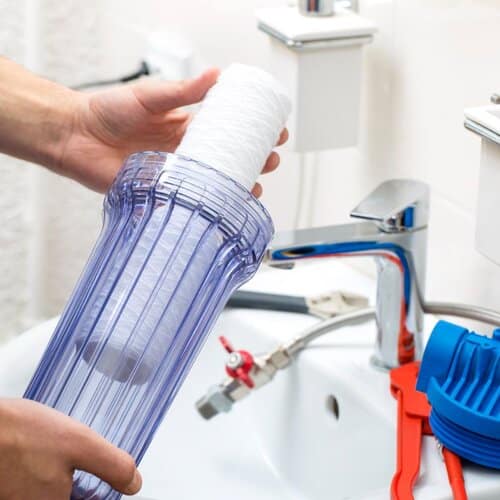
(325, 305)
(413, 423)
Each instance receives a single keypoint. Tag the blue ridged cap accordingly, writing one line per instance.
(460, 372)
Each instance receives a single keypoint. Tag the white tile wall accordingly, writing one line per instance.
(430, 59)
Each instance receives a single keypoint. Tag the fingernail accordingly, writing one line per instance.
(135, 484)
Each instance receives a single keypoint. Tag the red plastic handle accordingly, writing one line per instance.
(226, 344)
(242, 372)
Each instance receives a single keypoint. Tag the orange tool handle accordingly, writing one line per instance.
(409, 442)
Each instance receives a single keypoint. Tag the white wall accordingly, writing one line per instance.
(430, 59)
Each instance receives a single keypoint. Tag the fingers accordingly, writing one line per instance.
(273, 159)
(283, 137)
(92, 453)
(159, 97)
(272, 163)
(257, 190)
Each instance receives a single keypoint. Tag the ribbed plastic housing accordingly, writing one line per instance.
(178, 238)
(460, 372)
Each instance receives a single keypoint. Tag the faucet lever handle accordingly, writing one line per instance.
(396, 205)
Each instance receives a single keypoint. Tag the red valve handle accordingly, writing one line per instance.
(241, 372)
(226, 344)
(244, 377)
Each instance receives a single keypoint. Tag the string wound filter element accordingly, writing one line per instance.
(180, 233)
(239, 123)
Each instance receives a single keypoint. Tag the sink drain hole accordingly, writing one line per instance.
(332, 406)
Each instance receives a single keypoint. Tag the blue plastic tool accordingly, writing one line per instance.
(460, 372)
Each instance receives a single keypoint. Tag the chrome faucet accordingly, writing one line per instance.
(395, 234)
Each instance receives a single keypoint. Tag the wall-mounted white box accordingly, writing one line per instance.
(319, 60)
(485, 122)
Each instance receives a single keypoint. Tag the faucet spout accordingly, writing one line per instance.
(396, 236)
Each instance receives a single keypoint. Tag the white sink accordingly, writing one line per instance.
(284, 441)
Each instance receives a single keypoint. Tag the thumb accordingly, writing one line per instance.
(158, 97)
(102, 459)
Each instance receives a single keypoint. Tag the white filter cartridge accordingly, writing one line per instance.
(238, 124)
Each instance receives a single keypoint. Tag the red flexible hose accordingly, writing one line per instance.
(455, 474)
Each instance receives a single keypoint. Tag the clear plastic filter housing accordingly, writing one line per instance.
(178, 238)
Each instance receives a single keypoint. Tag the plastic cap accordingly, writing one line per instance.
(460, 372)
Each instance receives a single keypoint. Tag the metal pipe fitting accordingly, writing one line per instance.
(220, 398)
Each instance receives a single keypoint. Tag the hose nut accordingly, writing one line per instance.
(214, 402)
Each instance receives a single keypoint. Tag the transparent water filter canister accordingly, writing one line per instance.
(178, 238)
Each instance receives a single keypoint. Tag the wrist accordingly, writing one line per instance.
(62, 111)
(37, 115)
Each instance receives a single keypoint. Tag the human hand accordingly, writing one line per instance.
(40, 448)
(109, 125)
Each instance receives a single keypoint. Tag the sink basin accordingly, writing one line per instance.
(322, 429)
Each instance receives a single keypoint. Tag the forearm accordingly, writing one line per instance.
(36, 115)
